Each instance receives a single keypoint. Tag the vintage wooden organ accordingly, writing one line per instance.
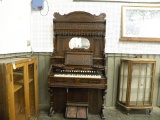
(77, 76)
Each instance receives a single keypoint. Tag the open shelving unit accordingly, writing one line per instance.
(18, 89)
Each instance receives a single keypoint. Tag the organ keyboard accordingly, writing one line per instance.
(77, 75)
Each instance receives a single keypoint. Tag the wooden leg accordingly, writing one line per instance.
(51, 111)
(102, 112)
(150, 110)
(127, 111)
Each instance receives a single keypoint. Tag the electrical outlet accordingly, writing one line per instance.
(28, 43)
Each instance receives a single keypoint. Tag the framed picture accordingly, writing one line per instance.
(127, 1)
(140, 23)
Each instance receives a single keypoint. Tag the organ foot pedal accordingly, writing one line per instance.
(77, 110)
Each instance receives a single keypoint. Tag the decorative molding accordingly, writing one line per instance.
(96, 26)
(79, 33)
(140, 23)
(79, 16)
(79, 23)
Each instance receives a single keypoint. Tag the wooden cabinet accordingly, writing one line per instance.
(136, 83)
(18, 89)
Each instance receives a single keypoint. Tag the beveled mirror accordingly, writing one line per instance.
(79, 42)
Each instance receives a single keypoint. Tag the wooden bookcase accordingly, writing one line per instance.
(136, 84)
(18, 89)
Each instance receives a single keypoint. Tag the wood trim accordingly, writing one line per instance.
(139, 39)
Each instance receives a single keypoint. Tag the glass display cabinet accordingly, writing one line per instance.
(136, 83)
(18, 89)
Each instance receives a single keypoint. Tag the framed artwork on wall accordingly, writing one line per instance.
(125, 1)
(140, 23)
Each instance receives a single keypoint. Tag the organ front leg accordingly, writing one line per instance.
(102, 112)
(51, 111)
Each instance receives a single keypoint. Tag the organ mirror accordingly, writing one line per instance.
(79, 42)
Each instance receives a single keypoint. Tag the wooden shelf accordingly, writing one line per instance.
(30, 80)
(22, 82)
(18, 73)
(17, 87)
(19, 81)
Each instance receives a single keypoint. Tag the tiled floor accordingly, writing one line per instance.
(112, 114)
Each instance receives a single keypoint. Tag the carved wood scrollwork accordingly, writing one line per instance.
(98, 62)
(96, 26)
(78, 16)
(71, 24)
(79, 33)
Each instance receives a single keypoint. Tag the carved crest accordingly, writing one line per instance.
(79, 16)
(79, 23)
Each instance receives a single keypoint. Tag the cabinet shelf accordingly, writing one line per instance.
(18, 73)
(17, 87)
(19, 82)
(22, 82)
(30, 80)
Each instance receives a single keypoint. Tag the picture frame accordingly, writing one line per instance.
(140, 23)
(124, 1)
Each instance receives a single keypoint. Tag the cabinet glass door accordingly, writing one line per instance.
(19, 93)
(123, 82)
(141, 84)
(31, 81)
